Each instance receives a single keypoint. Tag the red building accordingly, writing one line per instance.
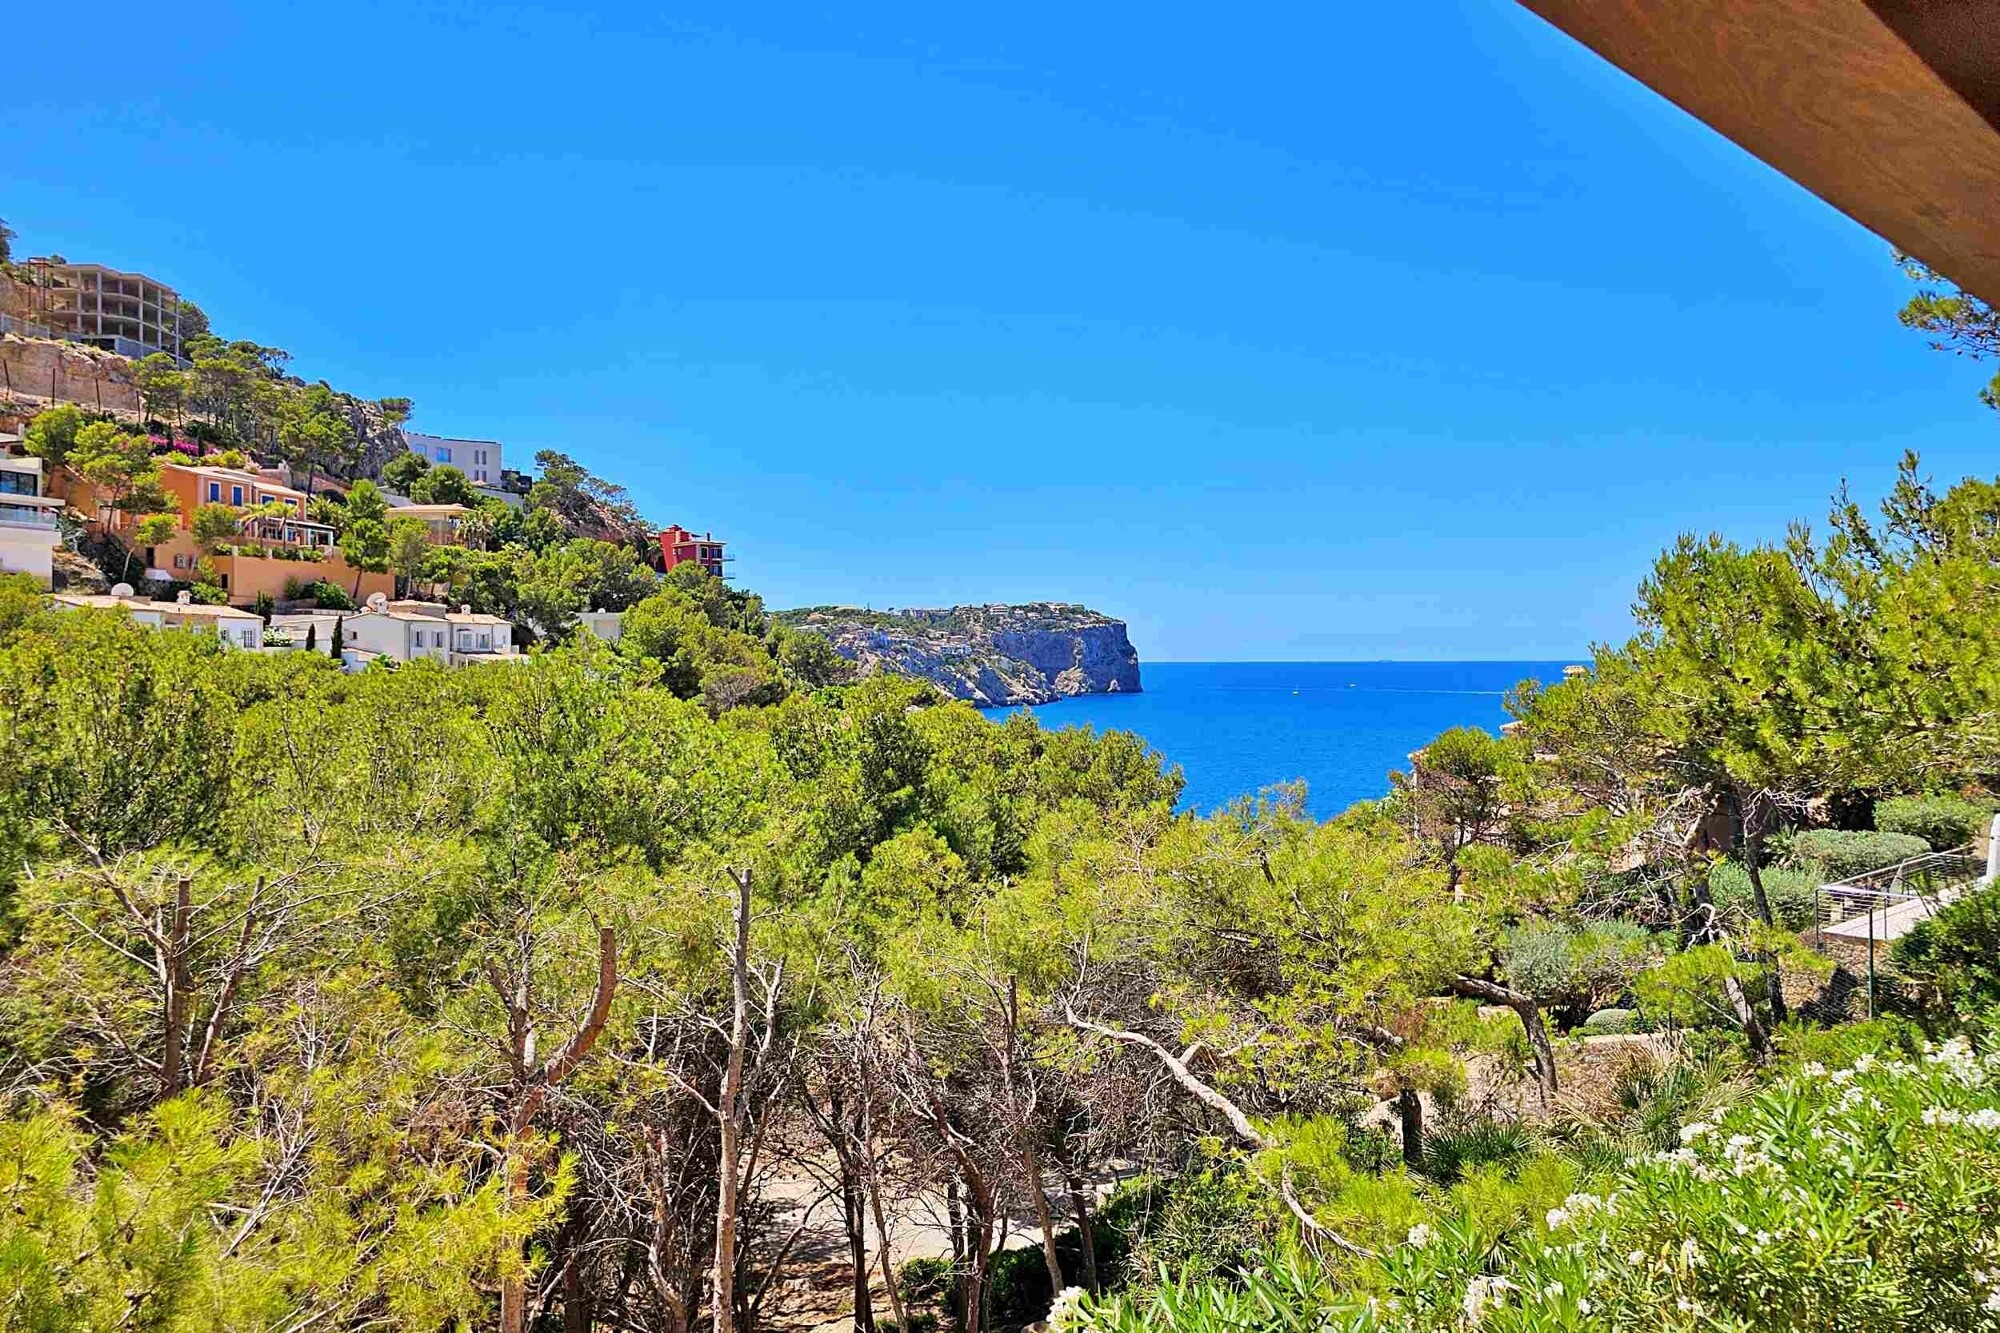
(678, 545)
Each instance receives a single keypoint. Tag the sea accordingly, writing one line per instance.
(1238, 727)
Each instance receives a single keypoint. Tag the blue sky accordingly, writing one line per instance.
(1334, 331)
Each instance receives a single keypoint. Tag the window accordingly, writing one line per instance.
(214, 491)
(479, 455)
(236, 495)
(17, 483)
(444, 454)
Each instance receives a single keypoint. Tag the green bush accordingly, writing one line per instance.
(1577, 968)
(1843, 854)
(330, 596)
(926, 1280)
(1611, 1022)
(1956, 954)
(1789, 888)
(1944, 821)
(207, 594)
(1855, 1199)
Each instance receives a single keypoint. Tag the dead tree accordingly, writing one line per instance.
(530, 1078)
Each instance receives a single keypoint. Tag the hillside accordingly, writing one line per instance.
(1006, 655)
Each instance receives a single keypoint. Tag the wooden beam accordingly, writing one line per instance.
(1889, 110)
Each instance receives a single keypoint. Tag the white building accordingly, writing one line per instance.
(28, 531)
(407, 631)
(606, 625)
(239, 629)
(479, 460)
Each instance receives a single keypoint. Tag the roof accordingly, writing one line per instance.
(104, 601)
(474, 618)
(428, 511)
(397, 615)
(235, 477)
(1888, 111)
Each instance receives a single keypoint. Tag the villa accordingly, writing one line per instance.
(29, 534)
(239, 629)
(272, 551)
(409, 631)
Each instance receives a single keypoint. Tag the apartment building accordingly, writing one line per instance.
(29, 534)
(127, 313)
(479, 460)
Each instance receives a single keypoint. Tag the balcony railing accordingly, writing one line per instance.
(18, 516)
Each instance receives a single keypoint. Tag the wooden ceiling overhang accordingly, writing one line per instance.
(1887, 109)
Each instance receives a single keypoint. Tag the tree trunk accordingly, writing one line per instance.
(1746, 1018)
(1749, 838)
(1079, 1210)
(722, 1280)
(174, 971)
(1530, 1014)
(1410, 1110)
(1024, 1131)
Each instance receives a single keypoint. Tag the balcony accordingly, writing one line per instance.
(26, 516)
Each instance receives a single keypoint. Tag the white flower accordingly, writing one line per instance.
(1482, 1292)
(1942, 1115)
(1420, 1235)
(1556, 1218)
(1066, 1311)
(1552, 1292)
(1583, 1305)
(1814, 1069)
(1689, 1133)
(1993, 1299)
(1690, 1253)
(1984, 1118)
(1636, 1257)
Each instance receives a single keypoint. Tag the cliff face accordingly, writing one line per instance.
(988, 654)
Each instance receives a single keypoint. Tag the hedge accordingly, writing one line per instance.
(1944, 821)
(1842, 854)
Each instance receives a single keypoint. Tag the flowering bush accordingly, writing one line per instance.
(1859, 1199)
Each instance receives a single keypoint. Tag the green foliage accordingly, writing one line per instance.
(328, 596)
(1855, 1199)
(402, 471)
(1945, 820)
(1842, 854)
(443, 485)
(1956, 953)
(52, 433)
(1576, 967)
(1790, 891)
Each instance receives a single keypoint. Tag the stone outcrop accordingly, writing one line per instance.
(1005, 655)
(43, 370)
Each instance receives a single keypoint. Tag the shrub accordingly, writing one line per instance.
(1576, 968)
(330, 596)
(1611, 1022)
(1859, 1199)
(1789, 889)
(1842, 854)
(208, 594)
(1944, 821)
(1956, 954)
(294, 590)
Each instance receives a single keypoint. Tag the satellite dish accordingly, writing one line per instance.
(121, 590)
(377, 602)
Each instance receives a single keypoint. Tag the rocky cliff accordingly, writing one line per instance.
(988, 654)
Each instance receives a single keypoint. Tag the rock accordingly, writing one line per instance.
(990, 655)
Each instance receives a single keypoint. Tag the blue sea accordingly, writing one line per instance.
(1236, 727)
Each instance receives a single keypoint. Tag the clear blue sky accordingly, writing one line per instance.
(1323, 331)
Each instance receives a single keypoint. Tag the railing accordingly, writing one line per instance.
(17, 516)
(1923, 883)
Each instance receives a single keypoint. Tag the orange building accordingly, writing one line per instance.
(272, 550)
